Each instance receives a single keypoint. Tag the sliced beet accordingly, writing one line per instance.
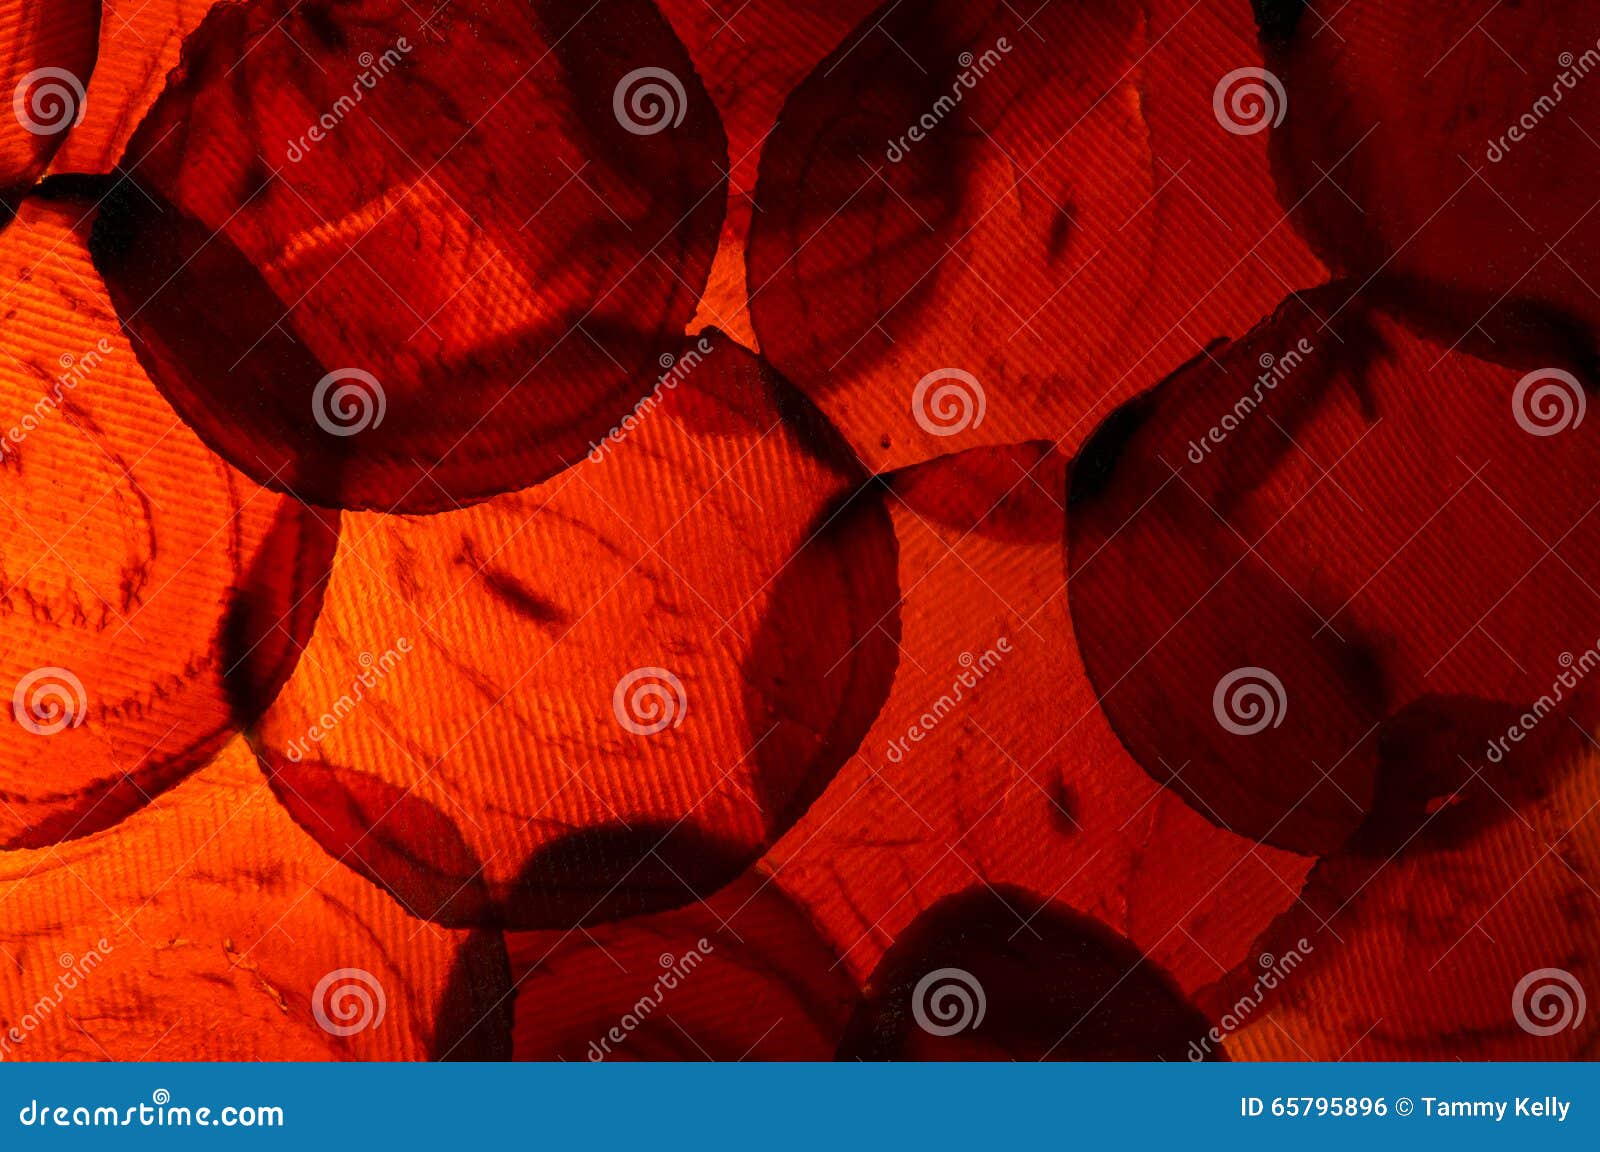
(47, 53)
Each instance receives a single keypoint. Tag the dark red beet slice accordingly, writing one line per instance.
(606, 694)
(1459, 925)
(739, 976)
(1488, 231)
(1307, 531)
(992, 758)
(152, 599)
(208, 927)
(399, 267)
(963, 983)
(975, 232)
(47, 52)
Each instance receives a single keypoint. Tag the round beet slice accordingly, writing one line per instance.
(381, 264)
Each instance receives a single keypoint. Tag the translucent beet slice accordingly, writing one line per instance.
(1309, 530)
(963, 984)
(1488, 231)
(992, 758)
(404, 267)
(1473, 939)
(139, 45)
(212, 906)
(741, 976)
(152, 599)
(606, 694)
(47, 52)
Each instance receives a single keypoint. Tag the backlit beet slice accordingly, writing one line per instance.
(1472, 940)
(1488, 231)
(47, 52)
(964, 984)
(618, 686)
(741, 976)
(1309, 530)
(209, 927)
(751, 56)
(992, 758)
(139, 43)
(404, 267)
(152, 599)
